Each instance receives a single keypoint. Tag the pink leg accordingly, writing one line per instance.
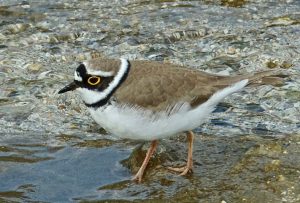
(189, 164)
(151, 150)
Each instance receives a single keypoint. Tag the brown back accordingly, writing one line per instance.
(160, 86)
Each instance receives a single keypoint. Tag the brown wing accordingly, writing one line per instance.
(158, 86)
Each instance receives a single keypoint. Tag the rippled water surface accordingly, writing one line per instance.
(52, 151)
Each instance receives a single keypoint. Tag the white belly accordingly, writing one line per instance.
(137, 123)
(133, 123)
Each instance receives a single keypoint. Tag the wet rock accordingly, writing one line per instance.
(186, 34)
(286, 65)
(282, 21)
(34, 67)
(272, 64)
(95, 143)
(233, 3)
(17, 28)
(43, 26)
(231, 51)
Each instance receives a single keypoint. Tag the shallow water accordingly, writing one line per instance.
(65, 174)
(52, 151)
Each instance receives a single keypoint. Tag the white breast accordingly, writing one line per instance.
(136, 123)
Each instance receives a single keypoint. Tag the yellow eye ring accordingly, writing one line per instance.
(94, 80)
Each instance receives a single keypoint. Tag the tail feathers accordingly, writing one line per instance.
(269, 77)
(221, 94)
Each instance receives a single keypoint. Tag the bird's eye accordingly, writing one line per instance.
(94, 80)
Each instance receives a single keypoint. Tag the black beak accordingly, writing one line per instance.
(70, 87)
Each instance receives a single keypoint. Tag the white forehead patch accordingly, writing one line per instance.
(100, 73)
(77, 77)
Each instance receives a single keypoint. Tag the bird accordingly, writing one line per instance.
(150, 100)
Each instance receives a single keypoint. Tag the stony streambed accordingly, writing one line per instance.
(52, 151)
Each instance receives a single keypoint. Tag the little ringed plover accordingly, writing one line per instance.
(147, 100)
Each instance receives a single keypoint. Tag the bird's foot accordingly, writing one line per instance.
(138, 177)
(182, 170)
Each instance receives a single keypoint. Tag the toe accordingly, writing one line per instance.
(182, 170)
(186, 171)
(177, 169)
(137, 178)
